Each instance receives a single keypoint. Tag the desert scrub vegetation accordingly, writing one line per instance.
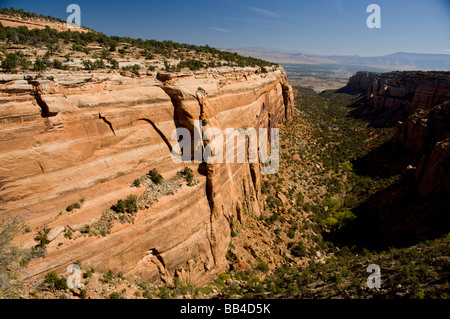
(41, 238)
(127, 206)
(192, 57)
(132, 68)
(73, 206)
(155, 177)
(188, 175)
(13, 259)
(55, 282)
(136, 183)
(421, 271)
(337, 140)
(123, 211)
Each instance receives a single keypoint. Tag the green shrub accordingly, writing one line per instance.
(344, 216)
(262, 266)
(132, 68)
(202, 91)
(155, 176)
(188, 175)
(192, 64)
(55, 282)
(300, 199)
(330, 222)
(114, 64)
(291, 233)
(224, 277)
(105, 54)
(127, 206)
(73, 206)
(9, 64)
(57, 64)
(39, 65)
(68, 234)
(136, 183)
(109, 276)
(332, 204)
(41, 238)
(93, 65)
(135, 69)
(88, 273)
(115, 295)
(299, 250)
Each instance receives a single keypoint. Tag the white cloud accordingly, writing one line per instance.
(220, 29)
(265, 12)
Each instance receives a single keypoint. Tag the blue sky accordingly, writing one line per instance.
(323, 27)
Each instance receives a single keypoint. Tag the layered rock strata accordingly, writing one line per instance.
(69, 136)
(422, 101)
(411, 91)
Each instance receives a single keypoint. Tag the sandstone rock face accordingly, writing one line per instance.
(70, 136)
(360, 82)
(410, 91)
(436, 174)
(428, 133)
(424, 98)
(423, 129)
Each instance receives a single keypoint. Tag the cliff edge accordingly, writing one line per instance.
(72, 136)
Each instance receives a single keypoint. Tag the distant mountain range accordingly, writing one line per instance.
(398, 61)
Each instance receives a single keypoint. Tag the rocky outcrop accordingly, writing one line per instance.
(410, 91)
(422, 130)
(69, 136)
(428, 133)
(8, 21)
(434, 173)
(360, 82)
(419, 102)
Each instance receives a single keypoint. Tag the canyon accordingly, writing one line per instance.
(66, 136)
(86, 131)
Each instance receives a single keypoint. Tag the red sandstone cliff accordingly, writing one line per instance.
(410, 91)
(428, 133)
(70, 136)
(421, 100)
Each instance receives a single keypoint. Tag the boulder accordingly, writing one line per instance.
(55, 232)
(163, 77)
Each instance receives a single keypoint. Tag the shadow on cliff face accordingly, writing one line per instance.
(387, 160)
(379, 118)
(398, 216)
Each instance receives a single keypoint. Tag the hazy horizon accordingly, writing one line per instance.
(262, 49)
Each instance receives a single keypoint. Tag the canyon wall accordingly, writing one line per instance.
(71, 136)
(428, 133)
(411, 91)
(419, 104)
